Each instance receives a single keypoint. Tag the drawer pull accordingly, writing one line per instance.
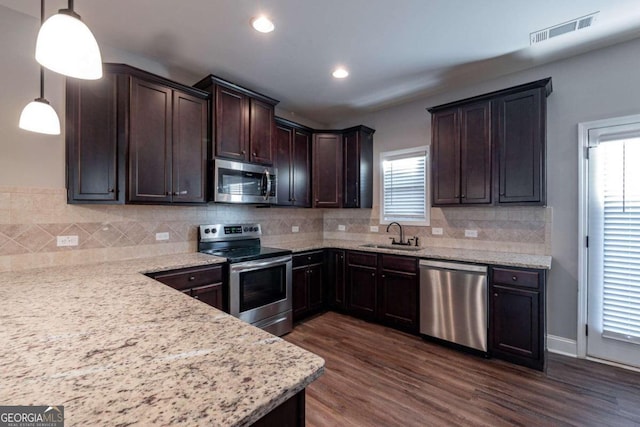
(514, 278)
(192, 278)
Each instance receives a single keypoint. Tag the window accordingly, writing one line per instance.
(404, 187)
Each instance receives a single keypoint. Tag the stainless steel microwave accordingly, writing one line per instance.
(237, 182)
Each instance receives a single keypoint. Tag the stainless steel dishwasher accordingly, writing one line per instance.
(453, 302)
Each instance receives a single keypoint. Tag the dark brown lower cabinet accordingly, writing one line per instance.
(291, 413)
(383, 288)
(362, 284)
(517, 315)
(205, 283)
(308, 283)
(336, 278)
(398, 302)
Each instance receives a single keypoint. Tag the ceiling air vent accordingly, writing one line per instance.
(564, 28)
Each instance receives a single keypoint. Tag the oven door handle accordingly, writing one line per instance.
(267, 185)
(258, 264)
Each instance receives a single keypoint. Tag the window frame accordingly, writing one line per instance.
(405, 153)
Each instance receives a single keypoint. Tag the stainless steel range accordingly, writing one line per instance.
(259, 277)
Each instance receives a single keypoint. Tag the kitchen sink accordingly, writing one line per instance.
(392, 247)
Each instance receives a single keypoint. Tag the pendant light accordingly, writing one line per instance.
(67, 46)
(39, 116)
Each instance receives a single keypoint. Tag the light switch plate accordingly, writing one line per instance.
(295, 229)
(470, 233)
(374, 229)
(67, 240)
(341, 227)
(162, 236)
(437, 231)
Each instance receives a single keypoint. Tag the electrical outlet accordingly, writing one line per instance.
(374, 229)
(470, 233)
(67, 240)
(341, 227)
(295, 229)
(162, 236)
(436, 231)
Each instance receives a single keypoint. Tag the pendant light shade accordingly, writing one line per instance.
(67, 46)
(39, 116)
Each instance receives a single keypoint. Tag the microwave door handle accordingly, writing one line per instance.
(267, 186)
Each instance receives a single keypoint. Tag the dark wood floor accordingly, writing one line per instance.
(376, 376)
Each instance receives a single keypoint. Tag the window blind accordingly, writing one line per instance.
(404, 187)
(621, 281)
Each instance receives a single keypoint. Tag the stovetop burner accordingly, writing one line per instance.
(236, 242)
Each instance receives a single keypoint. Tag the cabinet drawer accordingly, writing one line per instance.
(307, 258)
(362, 258)
(190, 277)
(528, 279)
(399, 263)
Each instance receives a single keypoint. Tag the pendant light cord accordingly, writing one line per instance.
(41, 67)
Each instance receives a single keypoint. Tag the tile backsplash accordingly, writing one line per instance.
(31, 219)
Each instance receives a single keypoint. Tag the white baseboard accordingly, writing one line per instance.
(562, 346)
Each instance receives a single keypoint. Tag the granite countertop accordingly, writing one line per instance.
(118, 348)
(464, 255)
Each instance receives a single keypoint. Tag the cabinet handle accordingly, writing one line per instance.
(175, 193)
(502, 194)
(373, 274)
(463, 196)
(514, 278)
(192, 278)
(111, 190)
(383, 276)
(243, 152)
(495, 295)
(254, 154)
(168, 193)
(196, 296)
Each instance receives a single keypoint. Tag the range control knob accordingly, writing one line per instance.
(207, 231)
(214, 231)
(246, 229)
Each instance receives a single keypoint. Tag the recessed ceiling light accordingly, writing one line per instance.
(340, 73)
(262, 24)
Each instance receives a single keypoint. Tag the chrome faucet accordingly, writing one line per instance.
(393, 241)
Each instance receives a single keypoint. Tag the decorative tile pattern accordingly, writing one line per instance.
(33, 217)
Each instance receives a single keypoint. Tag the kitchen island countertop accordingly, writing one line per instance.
(118, 348)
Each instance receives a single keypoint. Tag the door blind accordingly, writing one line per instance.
(404, 188)
(621, 269)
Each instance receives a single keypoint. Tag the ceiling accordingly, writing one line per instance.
(394, 50)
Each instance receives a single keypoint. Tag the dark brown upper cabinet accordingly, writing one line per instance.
(292, 158)
(242, 121)
(343, 168)
(358, 167)
(327, 170)
(134, 137)
(490, 149)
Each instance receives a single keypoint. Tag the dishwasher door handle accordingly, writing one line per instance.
(453, 266)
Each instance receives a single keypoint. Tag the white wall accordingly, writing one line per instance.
(595, 85)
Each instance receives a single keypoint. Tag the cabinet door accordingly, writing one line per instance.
(362, 288)
(150, 142)
(261, 132)
(327, 170)
(300, 297)
(336, 273)
(283, 161)
(521, 147)
(475, 152)
(301, 162)
(515, 324)
(231, 124)
(210, 294)
(351, 166)
(399, 299)
(92, 140)
(316, 286)
(445, 165)
(189, 148)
